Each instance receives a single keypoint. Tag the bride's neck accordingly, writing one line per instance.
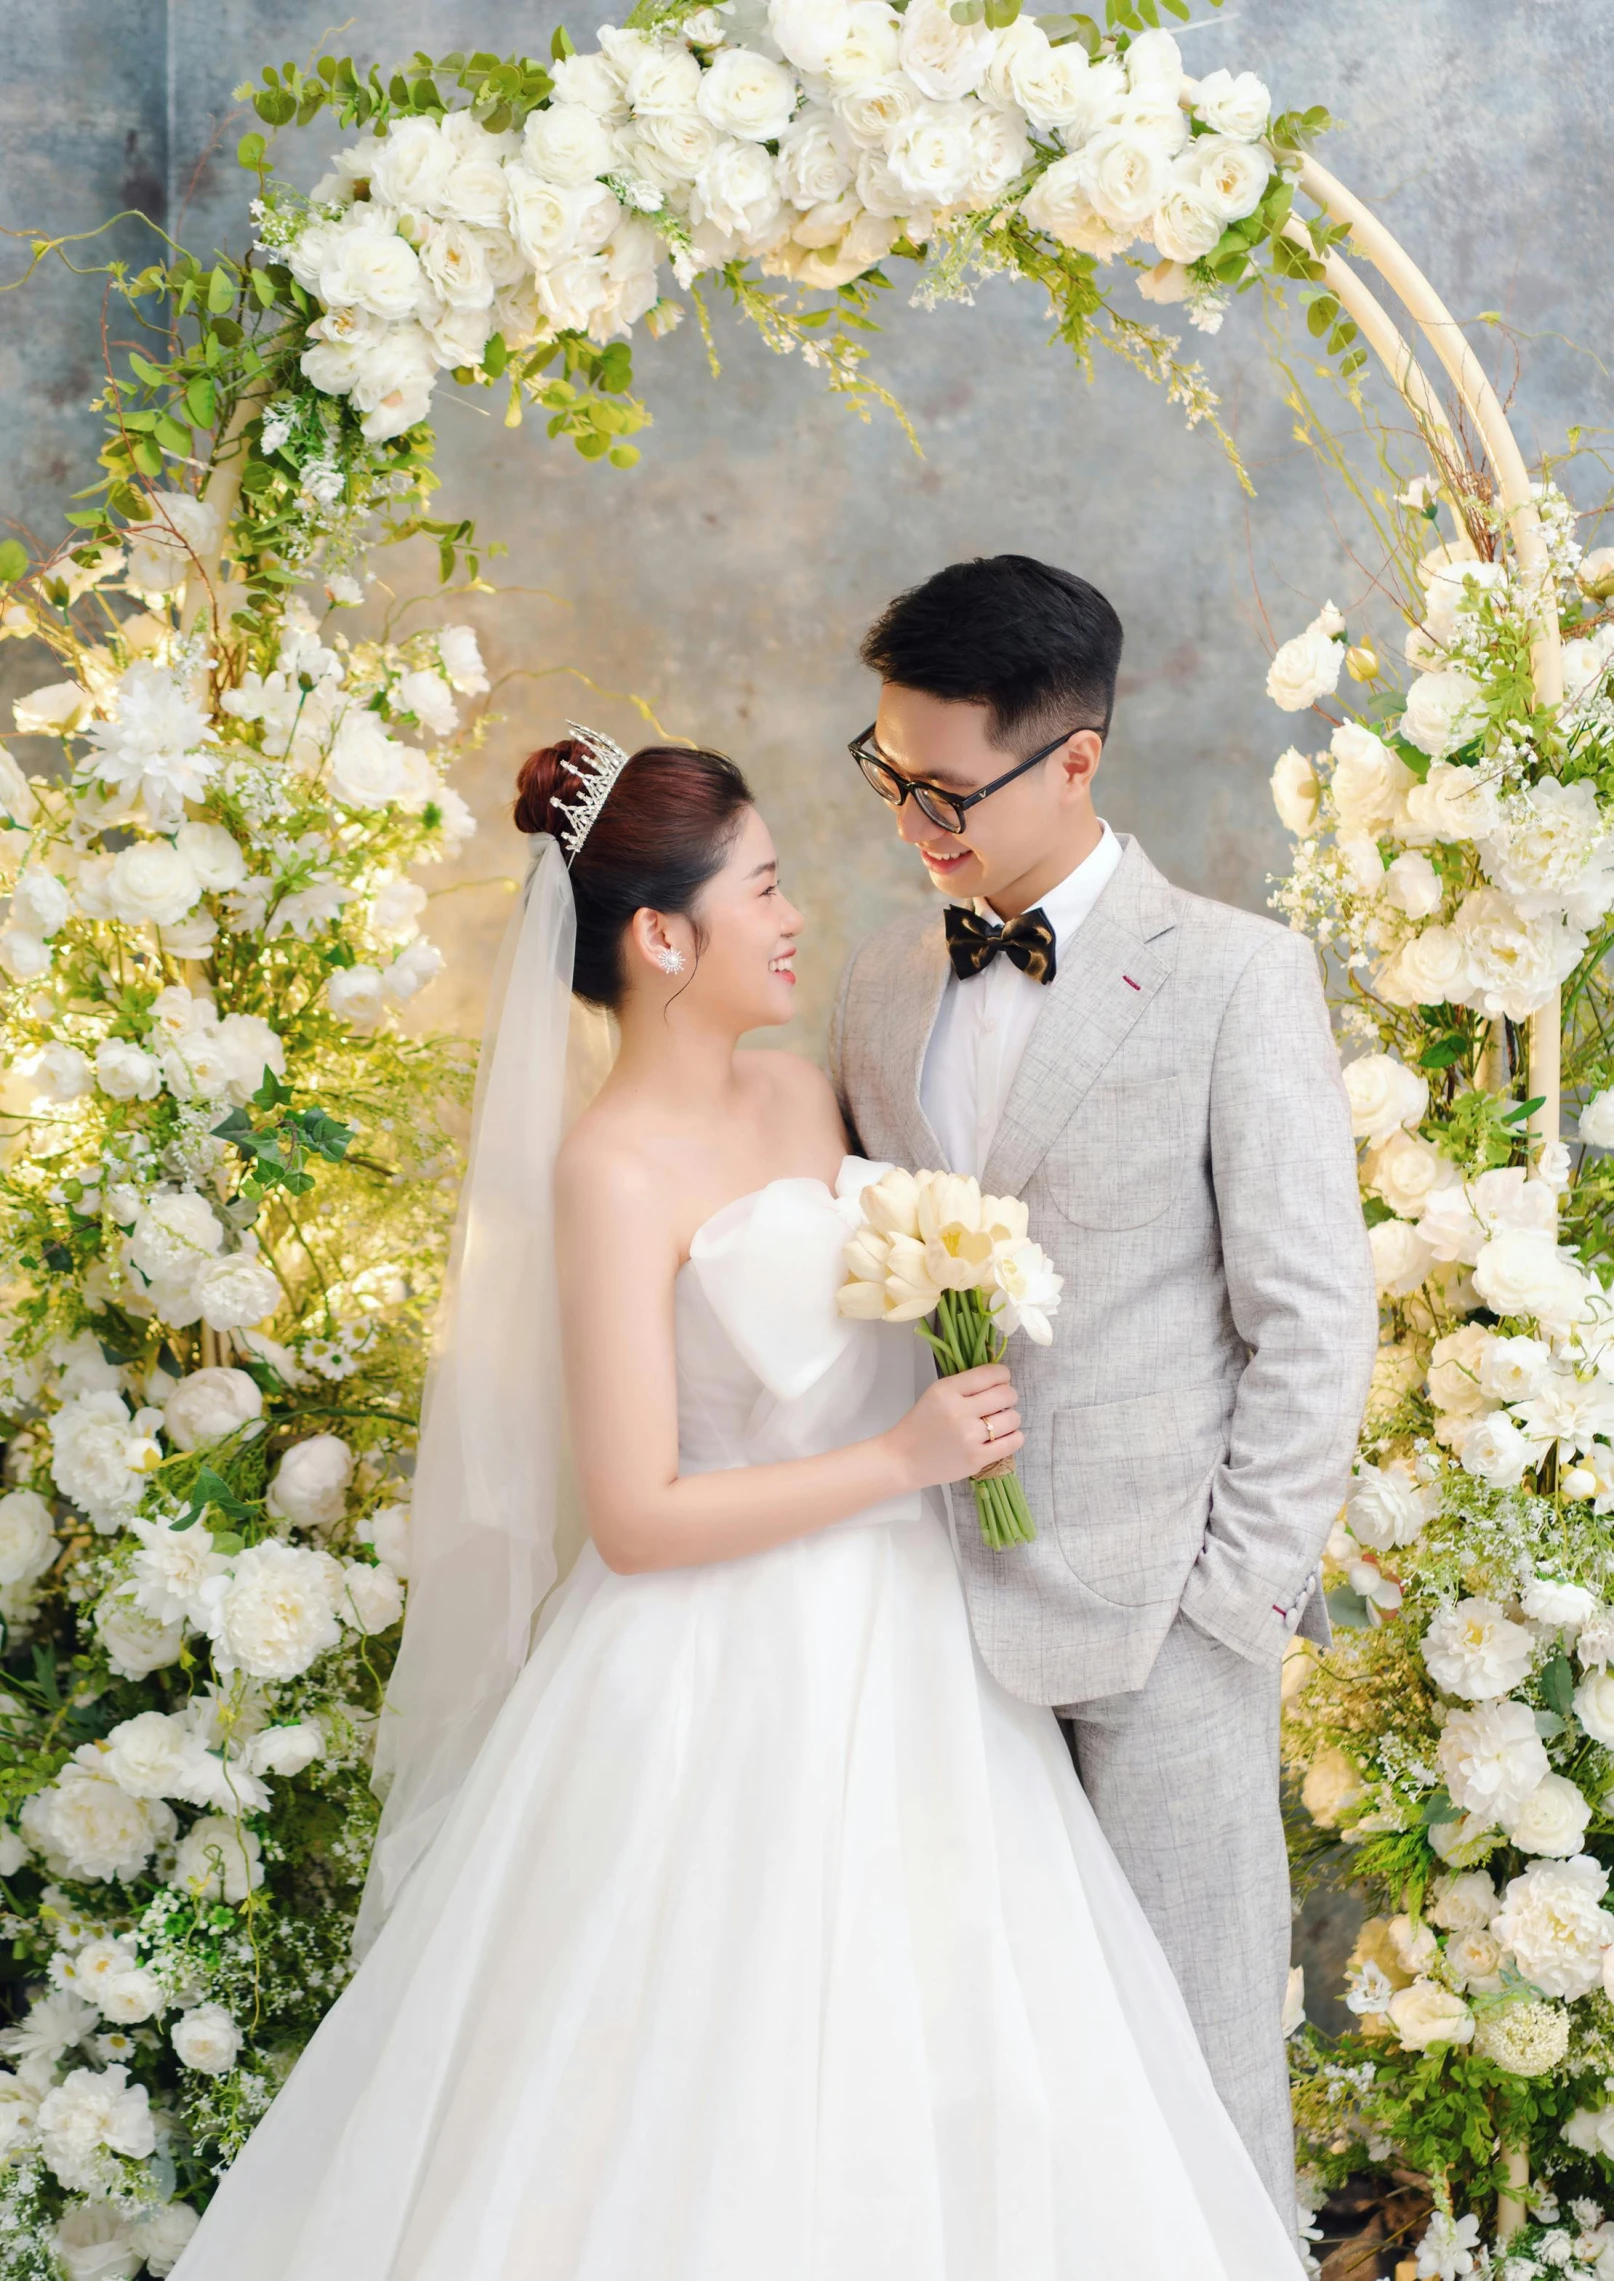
(672, 1052)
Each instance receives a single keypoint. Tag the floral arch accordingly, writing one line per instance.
(222, 1204)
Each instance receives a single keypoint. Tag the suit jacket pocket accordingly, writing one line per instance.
(1131, 1488)
(1118, 1161)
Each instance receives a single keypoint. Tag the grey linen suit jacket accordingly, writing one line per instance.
(1179, 1129)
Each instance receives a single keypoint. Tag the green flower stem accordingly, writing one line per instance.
(965, 1337)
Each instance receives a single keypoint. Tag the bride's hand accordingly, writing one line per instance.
(958, 1425)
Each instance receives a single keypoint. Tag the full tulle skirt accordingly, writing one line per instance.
(770, 1940)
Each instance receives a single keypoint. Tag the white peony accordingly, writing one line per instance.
(1494, 1451)
(154, 1755)
(746, 96)
(213, 855)
(286, 1750)
(1452, 803)
(91, 1437)
(1563, 1606)
(90, 1830)
(151, 882)
(370, 1598)
(169, 1570)
(365, 766)
(270, 1615)
(177, 1230)
(1492, 1758)
(1407, 1171)
(206, 2039)
(1552, 1921)
(1412, 885)
(209, 1405)
(1552, 1820)
(412, 970)
(1388, 1506)
(27, 1536)
(310, 1484)
(59, 1073)
(388, 1530)
(1296, 792)
(1474, 1649)
(92, 2110)
(238, 1292)
(1307, 666)
(217, 1860)
(1514, 963)
(1385, 1095)
(943, 58)
(1332, 1786)
(1444, 710)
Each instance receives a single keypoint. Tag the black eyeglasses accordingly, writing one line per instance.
(946, 810)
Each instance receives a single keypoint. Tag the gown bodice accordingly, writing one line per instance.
(767, 1368)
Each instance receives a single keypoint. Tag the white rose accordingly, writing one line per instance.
(871, 50)
(1456, 1367)
(568, 143)
(943, 58)
(369, 266)
(388, 1530)
(1369, 781)
(40, 903)
(206, 2039)
(371, 1598)
(218, 1860)
(1594, 1706)
(1185, 226)
(183, 532)
(1052, 86)
(1494, 1450)
(153, 1755)
(1387, 1505)
(365, 766)
(1407, 1171)
(1413, 885)
(1565, 1607)
(1430, 969)
(454, 263)
(737, 189)
(87, 1829)
(151, 881)
(1002, 154)
(27, 1536)
(575, 292)
(461, 660)
(212, 854)
(1233, 176)
(175, 1232)
(54, 711)
(1521, 1271)
(126, 1072)
(208, 1405)
(60, 1073)
(271, 1616)
(1492, 1758)
(127, 1998)
(808, 32)
(932, 154)
(94, 2241)
(412, 164)
(1551, 1920)
(136, 1644)
(412, 970)
(1463, 1903)
(24, 956)
(1596, 1122)
(1452, 803)
(1426, 2014)
(814, 164)
(1384, 1096)
(1154, 65)
(1473, 1649)
(1234, 106)
(237, 1292)
(662, 77)
(310, 1484)
(1552, 1819)
(395, 912)
(1306, 667)
(1443, 711)
(1401, 1257)
(1296, 791)
(1128, 172)
(874, 110)
(392, 386)
(355, 996)
(746, 96)
(286, 1750)
(161, 2236)
(1332, 1786)
(1514, 964)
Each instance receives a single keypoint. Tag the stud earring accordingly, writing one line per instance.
(670, 961)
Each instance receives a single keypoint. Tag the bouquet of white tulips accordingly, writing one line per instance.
(932, 1245)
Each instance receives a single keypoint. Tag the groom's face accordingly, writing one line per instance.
(1006, 838)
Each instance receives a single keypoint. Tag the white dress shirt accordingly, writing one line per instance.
(985, 1022)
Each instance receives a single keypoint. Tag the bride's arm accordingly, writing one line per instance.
(618, 1262)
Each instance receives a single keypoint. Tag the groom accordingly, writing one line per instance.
(1155, 1075)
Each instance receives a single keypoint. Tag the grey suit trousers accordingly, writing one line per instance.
(1183, 1775)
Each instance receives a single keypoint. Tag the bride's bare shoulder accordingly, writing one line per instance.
(795, 1083)
(602, 1168)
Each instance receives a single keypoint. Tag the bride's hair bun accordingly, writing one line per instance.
(665, 830)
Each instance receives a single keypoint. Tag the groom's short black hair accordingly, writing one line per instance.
(1039, 647)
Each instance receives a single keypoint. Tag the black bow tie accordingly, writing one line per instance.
(973, 942)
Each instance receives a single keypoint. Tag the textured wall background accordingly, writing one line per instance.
(725, 581)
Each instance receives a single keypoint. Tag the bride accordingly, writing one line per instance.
(744, 1929)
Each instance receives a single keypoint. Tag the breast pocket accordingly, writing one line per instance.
(1119, 1160)
(1131, 1488)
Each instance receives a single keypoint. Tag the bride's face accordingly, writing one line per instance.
(742, 975)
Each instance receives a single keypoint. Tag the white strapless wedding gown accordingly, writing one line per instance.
(769, 1940)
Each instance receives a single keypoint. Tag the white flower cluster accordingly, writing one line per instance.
(838, 128)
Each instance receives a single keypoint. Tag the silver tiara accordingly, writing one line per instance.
(601, 763)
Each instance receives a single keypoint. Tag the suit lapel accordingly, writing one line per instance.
(915, 996)
(1108, 973)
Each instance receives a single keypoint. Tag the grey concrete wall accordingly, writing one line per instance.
(726, 580)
